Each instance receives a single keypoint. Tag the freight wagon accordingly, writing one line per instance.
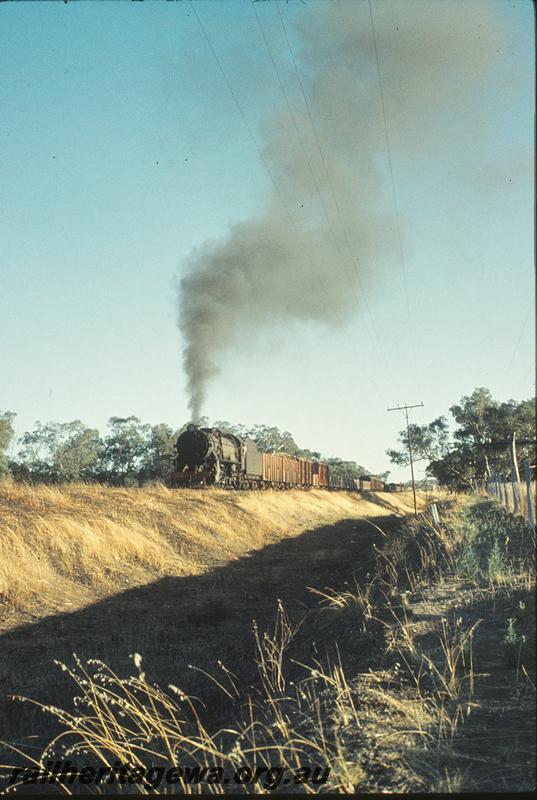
(342, 482)
(320, 474)
(369, 483)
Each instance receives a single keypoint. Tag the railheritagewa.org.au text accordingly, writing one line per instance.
(68, 773)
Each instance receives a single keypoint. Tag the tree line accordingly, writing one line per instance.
(130, 453)
(462, 459)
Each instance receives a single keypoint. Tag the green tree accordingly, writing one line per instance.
(345, 469)
(124, 450)
(464, 460)
(474, 415)
(311, 455)
(429, 442)
(483, 421)
(36, 456)
(6, 437)
(56, 452)
(271, 440)
(231, 427)
(130, 454)
(157, 460)
(268, 438)
(77, 454)
(459, 470)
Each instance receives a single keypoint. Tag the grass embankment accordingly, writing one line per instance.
(175, 575)
(412, 667)
(65, 547)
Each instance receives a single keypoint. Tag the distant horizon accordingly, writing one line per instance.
(397, 474)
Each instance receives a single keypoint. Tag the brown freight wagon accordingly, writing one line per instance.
(320, 474)
(368, 483)
(282, 469)
(342, 482)
(335, 481)
(291, 472)
(277, 469)
(306, 472)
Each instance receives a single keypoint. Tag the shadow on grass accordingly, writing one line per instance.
(175, 622)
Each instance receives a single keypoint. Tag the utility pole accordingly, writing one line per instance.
(406, 408)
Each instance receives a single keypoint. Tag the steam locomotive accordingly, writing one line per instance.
(211, 457)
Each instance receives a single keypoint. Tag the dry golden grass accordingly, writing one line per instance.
(63, 547)
(423, 722)
(135, 722)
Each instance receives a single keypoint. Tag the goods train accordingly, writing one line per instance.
(211, 457)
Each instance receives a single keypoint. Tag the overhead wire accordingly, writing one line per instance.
(517, 344)
(375, 336)
(290, 218)
(299, 136)
(394, 194)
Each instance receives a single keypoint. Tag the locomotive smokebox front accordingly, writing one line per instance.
(192, 446)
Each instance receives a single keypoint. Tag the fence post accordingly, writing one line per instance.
(514, 486)
(527, 475)
(435, 514)
(506, 494)
(515, 477)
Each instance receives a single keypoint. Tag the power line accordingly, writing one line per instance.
(513, 357)
(394, 194)
(289, 217)
(375, 337)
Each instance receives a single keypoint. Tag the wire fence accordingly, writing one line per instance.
(516, 496)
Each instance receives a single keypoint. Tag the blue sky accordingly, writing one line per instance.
(122, 149)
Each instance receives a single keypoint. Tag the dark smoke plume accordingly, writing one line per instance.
(328, 221)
